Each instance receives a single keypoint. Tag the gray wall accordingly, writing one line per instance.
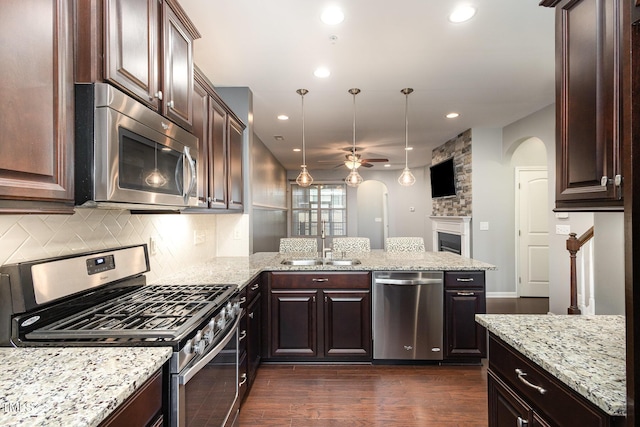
(269, 207)
(608, 247)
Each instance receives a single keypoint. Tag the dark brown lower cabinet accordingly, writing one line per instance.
(464, 296)
(541, 401)
(319, 315)
(143, 408)
(250, 338)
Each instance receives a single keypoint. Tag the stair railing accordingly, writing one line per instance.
(573, 246)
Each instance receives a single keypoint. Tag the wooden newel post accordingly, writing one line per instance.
(573, 246)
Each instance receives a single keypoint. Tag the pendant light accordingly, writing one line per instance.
(304, 179)
(354, 179)
(406, 178)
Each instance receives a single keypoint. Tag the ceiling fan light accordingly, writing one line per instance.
(406, 179)
(304, 179)
(351, 164)
(353, 179)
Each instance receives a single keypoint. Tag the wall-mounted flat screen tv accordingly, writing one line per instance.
(443, 179)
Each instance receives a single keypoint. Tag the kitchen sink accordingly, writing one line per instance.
(343, 262)
(316, 261)
(302, 262)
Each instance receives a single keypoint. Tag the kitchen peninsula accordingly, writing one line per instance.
(556, 369)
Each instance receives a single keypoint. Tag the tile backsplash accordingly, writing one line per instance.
(179, 239)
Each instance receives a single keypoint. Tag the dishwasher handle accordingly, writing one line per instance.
(408, 282)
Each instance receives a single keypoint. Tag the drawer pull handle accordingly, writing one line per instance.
(521, 376)
(466, 294)
(243, 335)
(319, 279)
(464, 279)
(522, 423)
(243, 300)
(256, 286)
(244, 379)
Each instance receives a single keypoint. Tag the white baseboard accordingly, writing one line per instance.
(502, 295)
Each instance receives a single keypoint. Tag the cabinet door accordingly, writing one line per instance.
(463, 336)
(36, 142)
(293, 323)
(254, 348)
(235, 165)
(132, 48)
(178, 70)
(347, 323)
(588, 104)
(216, 159)
(506, 409)
(201, 130)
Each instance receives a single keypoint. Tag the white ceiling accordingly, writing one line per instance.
(494, 69)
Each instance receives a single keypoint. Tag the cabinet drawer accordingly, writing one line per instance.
(321, 279)
(558, 403)
(253, 289)
(464, 279)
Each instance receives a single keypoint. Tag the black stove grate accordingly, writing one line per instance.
(152, 312)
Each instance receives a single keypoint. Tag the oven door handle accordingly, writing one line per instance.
(191, 372)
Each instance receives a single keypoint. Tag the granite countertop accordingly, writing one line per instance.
(241, 270)
(587, 353)
(71, 386)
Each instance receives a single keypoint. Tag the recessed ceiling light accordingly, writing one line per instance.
(283, 117)
(322, 72)
(332, 15)
(409, 148)
(387, 165)
(278, 137)
(462, 14)
(452, 115)
(296, 150)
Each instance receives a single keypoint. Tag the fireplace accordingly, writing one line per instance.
(448, 242)
(452, 234)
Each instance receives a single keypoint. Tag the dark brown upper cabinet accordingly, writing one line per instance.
(143, 47)
(36, 142)
(221, 135)
(588, 105)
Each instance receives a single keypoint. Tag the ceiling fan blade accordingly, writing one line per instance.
(366, 165)
(374, 160)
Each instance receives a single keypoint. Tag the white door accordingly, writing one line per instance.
(533, 232)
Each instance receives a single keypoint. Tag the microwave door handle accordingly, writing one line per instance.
(193, 177)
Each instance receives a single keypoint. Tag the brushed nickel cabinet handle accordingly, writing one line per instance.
(521, 376)
(464, 279)
(256, 286)
(244, 379)
(466, 294)
(319, 279)
(522, 423)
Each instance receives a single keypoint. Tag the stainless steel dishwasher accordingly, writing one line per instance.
(407, 315)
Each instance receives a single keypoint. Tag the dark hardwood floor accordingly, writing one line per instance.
(376, 395)
(367, 395)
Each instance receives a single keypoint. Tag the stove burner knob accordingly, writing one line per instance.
(222, 322)
(188, 347)
(223, 312)
(200, 346)
(198, 336)
(208, 337)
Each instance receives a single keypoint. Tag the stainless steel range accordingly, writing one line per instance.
(101, 298)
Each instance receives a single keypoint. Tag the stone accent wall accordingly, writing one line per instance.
(460, 149)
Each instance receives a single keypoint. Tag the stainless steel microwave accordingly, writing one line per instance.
(129, 157)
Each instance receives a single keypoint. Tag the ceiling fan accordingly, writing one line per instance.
(354, 159)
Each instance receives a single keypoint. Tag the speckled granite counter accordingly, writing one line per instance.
(71, 386)
(241, 270)
(587, 353)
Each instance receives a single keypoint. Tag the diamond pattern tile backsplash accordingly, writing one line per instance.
(30, 237)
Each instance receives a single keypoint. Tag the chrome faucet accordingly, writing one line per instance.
(323, 237)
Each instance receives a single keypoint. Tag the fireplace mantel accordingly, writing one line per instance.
(458, 225)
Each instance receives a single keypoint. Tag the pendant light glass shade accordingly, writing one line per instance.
(406, 178)
(304, 179)
(354, 179)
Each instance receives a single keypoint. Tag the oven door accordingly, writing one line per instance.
(206, 393)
